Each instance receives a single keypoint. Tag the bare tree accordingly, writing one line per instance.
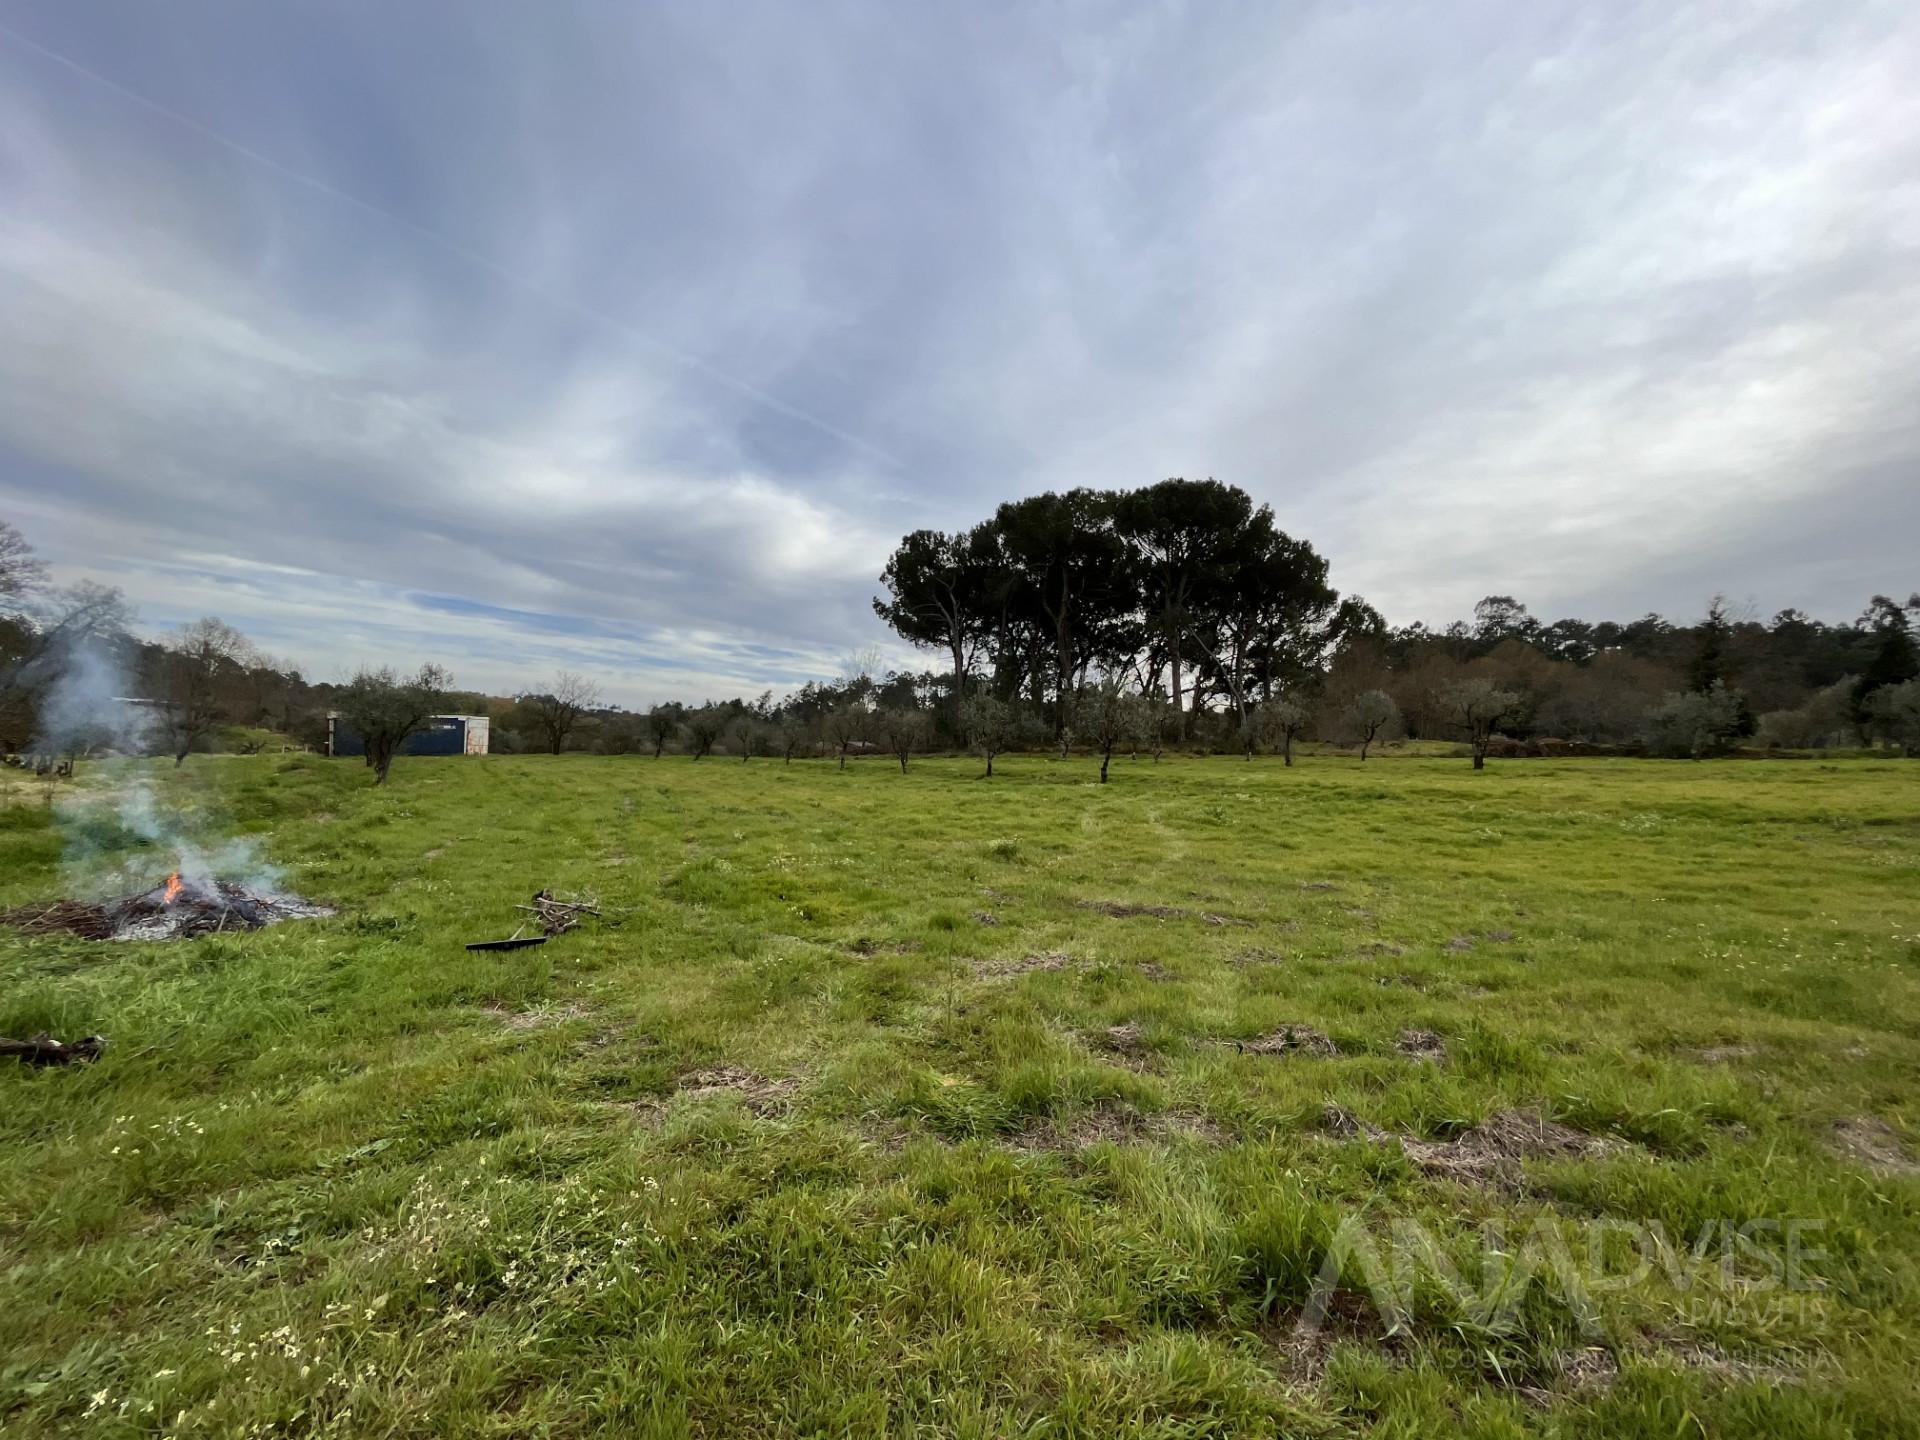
(197, 659)
(704, 729)
(906, 731)
(558, 711)
(1476, 706)
(991, 724)
(662, 721)
(385, 710)
(1369, 715)
(21, 571)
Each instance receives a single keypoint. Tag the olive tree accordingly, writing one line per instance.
(1368, 716)
(1896, 710)
(991, 724)
(662, 721)
(1692, 723)
(704, 728)
(1283, 721)
(846, 726)
(905, 732)
(385, 710)
(1106, 716)
(1476, 706)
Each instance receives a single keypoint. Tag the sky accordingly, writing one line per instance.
(629, 338)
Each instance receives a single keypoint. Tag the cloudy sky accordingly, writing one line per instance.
(629, 337)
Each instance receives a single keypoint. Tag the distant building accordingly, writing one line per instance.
(442, 735)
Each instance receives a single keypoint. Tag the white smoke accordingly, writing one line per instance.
(87, 709)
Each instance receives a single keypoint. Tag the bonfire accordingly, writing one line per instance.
(177, 909)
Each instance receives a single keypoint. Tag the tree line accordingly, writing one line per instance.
(1175, 616)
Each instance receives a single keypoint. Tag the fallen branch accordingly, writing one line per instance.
(43, 1049)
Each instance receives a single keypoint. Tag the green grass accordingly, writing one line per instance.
(345, 1177)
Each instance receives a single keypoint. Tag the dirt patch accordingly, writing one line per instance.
(537, 1017)
(1500, 937)
(1421, 1045)
(1120, 910)
(1046, 960)
(1707, 1359)
(1127, 1039)
(1380, 947)
(1114, 1125)
(883, 947)
(763, 1096)
(1342, 1124)
(1459, 943)
(1590, 1371)
(1723, 1054)
(1872, 1142)
(1257, 956)
(985, 917)
(1233, 920)
(1289, 1040)
(1154, 970)
(1491, 1152)
(1318, 885)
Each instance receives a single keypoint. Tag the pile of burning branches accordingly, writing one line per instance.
(175, 910)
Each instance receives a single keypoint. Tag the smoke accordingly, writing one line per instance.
(123, 832)
(85, 707)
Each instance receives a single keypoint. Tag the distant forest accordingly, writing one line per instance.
(1174, 616)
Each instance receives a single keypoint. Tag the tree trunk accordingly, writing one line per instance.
(1363, 747)
(1479, 758)
(1106, 755)
(1287, 748)
(989, 764)
(843, 757)
(903, 764)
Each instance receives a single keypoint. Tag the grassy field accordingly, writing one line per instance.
(927, 1105)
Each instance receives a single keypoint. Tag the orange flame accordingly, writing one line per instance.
(173, 887)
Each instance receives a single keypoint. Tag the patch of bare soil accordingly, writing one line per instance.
(1318, 885)
(1115, 1125)
(1154, 970)
(1301, 1351)
(1460, 943)
(1722, 1054)
(1406, 982)
(985, 917)
(1342, 1124)
(763, 1096)
(1421, 1045)
(1491, 1152)
(1870, 1141)
(1381, 947)
(1233, 920)
(1048, 960)
(866, 946)
(1590, 1371)
(1257, 956)
(1289, 1040)
(1500, 937)
(1120, 910)
(537, 1017)
(1127, 1039)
